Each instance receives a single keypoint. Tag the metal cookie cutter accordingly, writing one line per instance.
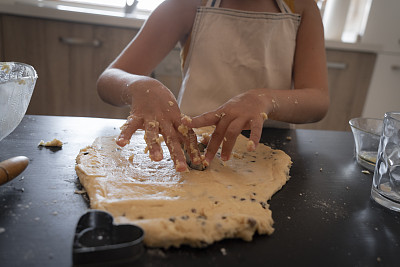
(100, 242)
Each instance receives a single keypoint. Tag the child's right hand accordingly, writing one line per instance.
(155, 110)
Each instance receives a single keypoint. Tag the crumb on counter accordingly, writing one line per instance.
(223, 251)
(54, 143)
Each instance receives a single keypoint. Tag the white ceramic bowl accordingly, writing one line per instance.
(17, 81)
(366, 132)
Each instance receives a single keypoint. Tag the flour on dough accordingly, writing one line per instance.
(196, 208)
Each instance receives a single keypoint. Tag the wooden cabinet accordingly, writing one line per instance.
(349, 75)
(68, 57)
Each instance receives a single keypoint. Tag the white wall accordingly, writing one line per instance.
(383, 28)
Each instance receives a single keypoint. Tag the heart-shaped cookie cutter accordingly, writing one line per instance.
(98, 241)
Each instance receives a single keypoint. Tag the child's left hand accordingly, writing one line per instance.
(246, 111)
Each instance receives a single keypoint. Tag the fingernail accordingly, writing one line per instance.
(157, 156)
(251, 146)
(197, 160)
(224, 158)
(181, 167)
(122, 142)
(206, 163)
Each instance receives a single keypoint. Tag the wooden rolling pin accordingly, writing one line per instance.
(11, 168)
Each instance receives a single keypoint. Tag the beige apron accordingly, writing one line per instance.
(232, 51)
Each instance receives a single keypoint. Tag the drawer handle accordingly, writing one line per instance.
(79, 41)
(395, 67)
(337, 65)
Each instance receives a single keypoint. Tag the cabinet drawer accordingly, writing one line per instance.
(348, 80)
(68, 57)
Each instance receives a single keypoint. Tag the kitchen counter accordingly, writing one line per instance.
(323, 216)
(114, 17)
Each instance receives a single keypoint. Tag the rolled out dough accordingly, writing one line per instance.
(196, 208)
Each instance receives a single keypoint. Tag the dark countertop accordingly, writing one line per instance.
(323, 216)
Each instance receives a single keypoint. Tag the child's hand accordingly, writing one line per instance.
(155, 110)
(242, 112)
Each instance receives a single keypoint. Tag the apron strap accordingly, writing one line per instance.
(213, 3)
(283, 6)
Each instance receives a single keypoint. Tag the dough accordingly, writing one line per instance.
(54, 143)
(196, 208)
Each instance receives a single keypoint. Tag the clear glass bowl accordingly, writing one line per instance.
(366, 132)
(17, 81)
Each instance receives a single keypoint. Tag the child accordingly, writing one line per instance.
(243, 61)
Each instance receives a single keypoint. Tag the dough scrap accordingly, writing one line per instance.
(53, 143)
(196, 208)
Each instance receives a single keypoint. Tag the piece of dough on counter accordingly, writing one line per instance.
(53, 143)
(196, 208)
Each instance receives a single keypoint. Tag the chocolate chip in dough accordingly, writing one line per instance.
(202, 217)
(252, 222)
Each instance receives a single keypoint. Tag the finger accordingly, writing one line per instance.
(206, 119)
(152, 140)
(256, 126)
(231, 134)
(189, 139)
(191, 143)
(173, 143)
(128, 129)
(215, 141)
